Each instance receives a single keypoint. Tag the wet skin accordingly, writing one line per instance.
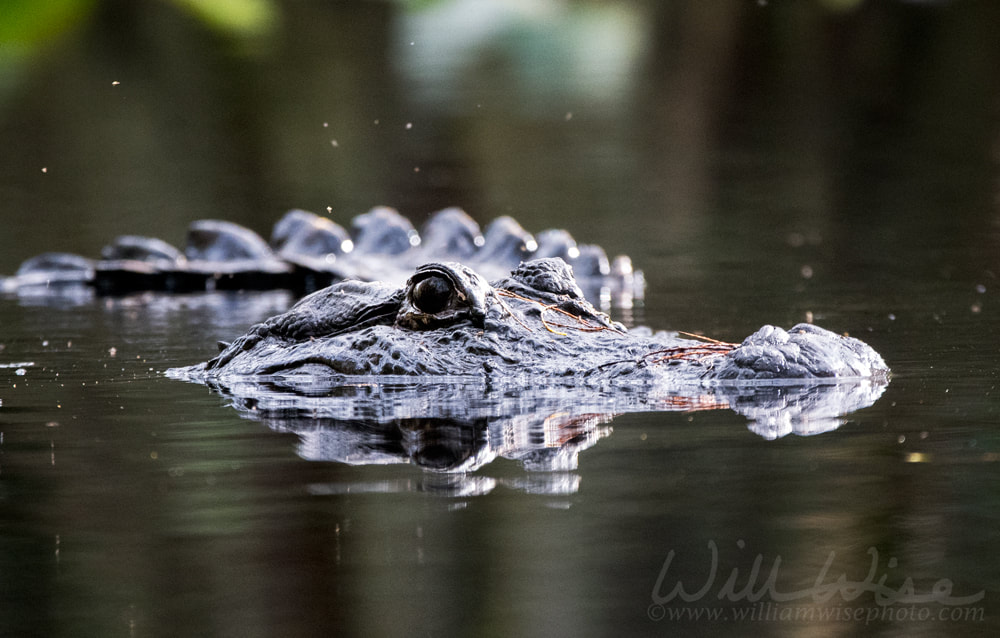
(534, 324)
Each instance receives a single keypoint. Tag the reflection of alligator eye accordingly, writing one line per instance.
(431, 295)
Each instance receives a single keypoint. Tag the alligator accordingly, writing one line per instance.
(533, 326)
(308, 252)
(449, 372)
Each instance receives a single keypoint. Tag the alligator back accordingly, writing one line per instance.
(307, 252)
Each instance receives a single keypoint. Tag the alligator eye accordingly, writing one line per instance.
(431, 295)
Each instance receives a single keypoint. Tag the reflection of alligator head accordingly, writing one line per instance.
(451, 426)
(533, 326)
(307, 252)
(456, 445)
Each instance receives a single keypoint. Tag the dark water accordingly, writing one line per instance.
(762, 164)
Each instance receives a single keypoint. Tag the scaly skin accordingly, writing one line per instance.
(534, 325)
(307, 252)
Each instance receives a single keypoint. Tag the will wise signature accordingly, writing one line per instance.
(822, 590)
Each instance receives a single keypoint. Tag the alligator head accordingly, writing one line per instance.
(534, 324)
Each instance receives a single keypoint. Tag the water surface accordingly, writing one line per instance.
(762, 165)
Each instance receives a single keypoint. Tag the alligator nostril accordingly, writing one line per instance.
(431, 295)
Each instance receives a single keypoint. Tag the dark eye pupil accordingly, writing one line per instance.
(431, 295)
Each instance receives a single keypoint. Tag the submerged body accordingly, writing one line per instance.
(535, 324)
